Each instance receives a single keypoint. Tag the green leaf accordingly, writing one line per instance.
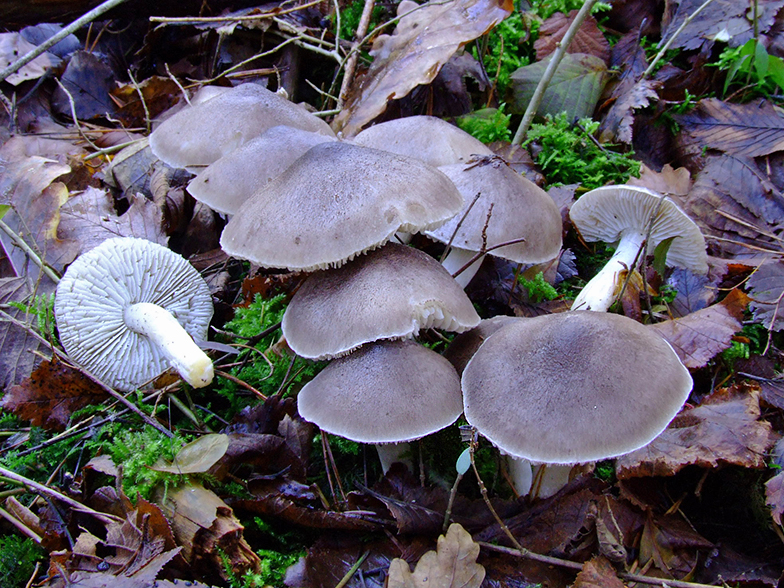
(198, 456)
(660, 255)
(761, 61)
(464, 461)
(776, 71)
(4, 208)
(574, 89)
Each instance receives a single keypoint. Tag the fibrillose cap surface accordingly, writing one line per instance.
(97, 288)
(336, 202)
(226, 184)
(203, 133)
(605, 213)
(427, 138)
(389, 293)
(385, 392)
(520, 210)
(573, 387)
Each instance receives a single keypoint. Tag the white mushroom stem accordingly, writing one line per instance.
(389, 453)
(166, 333)
(456, 259)
(521, 474)
(599, 293)
(550, 478)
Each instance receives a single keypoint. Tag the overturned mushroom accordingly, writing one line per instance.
(638, 220)
(130, 309)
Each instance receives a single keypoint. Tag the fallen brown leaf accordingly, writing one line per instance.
(671, 545)
(588, 39)
(699, 336)
(453, 565)
(668, 181)
(724, 429)
(766, 289)
(51, 395)
(597, 573)
(421, 44)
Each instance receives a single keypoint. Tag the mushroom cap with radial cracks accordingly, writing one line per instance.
(336, 202)
(385, 392)
(98, 288)
(573, 387)
(389, 293)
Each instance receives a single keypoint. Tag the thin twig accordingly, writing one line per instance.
(71, 28)
(458, 225)
(351, 62)
(486, 251)
(36, 259)
(549, 72)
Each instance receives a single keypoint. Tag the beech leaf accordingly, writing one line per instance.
(453, 565)
(724, 429)
(51, 394)
(699, 336)
(574, 88)
(423, 41)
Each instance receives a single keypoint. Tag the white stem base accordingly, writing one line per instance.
(599, 293)
(521, 474)
(456, 259)
(549, 479)
(172, 340)
(389, 453)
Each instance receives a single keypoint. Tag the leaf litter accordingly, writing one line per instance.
(725, 172)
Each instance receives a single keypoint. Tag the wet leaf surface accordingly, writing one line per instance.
(588, 39)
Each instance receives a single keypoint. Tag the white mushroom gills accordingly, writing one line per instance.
(172, 340)
(601, 291)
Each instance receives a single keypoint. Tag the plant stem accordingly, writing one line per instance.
(549, 72)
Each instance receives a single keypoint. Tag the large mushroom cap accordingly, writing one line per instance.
(573, 387)
(427, 138)
(520, 210)
(335, 202)
(203, 133)
(93, 295)
(235, 177)
(385, 392)
(391, 292)
(604, 214)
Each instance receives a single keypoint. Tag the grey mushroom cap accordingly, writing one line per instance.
(573, 387)
(102, 284)
(427, 138)
(385, 392)
(203, 133)
(604, 214)
(389, 293)
(227, 183)
(336, 202)
(520, 210)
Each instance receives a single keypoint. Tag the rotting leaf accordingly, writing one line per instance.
(699, 336)
(751, 129)
(588, 39)
(766, 289)
(51, 395)
(198, 456)
(574, 88)
(671, 545)
(85, 87)
(724, 429)
(453, 565)
(423, 41)
(17, 345)
(619, 122)
(597, 573)
(12, 46)
(693, 291)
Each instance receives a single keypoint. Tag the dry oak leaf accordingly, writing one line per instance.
(453, 565)
(588, 39)
(699, 336)
(752, 129)
(51, 394)
(724, 429)
(597, 573)
(423, 41)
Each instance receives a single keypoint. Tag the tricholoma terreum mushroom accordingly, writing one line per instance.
(129, 309)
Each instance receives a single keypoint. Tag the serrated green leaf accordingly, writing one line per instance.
(574, 89)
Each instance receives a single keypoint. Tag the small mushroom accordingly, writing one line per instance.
(387, 393)
(130, 309)
(336, 202)
(389, 293)
(633, 217)
(201, 134)
(509, 208)
(427, 138)
(227, 183)
(572, 388)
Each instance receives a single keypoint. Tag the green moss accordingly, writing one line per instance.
(487, 125)
(568, 154)
(18, 558)
(538, 288)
